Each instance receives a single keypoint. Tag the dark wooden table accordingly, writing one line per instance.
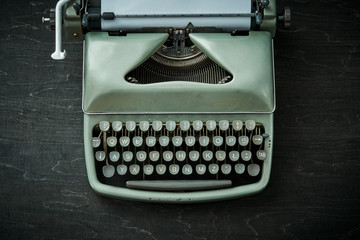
(314, 189)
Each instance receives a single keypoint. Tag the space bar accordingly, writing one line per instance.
(178, 185)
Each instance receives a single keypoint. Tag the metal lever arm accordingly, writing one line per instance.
(58, 54)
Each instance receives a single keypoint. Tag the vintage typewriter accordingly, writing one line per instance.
(178, 96)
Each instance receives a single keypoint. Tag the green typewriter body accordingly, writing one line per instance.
(176, 114)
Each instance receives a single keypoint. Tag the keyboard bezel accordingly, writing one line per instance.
(173, 197)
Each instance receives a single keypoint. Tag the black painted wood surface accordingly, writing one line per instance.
(314, 189)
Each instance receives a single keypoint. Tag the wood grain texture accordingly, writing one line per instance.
(314, 189)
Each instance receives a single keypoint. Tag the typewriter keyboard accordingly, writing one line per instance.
(178, 155)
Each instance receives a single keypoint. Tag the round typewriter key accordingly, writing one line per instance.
(174, 169)
(226, 168)
(239, 168)
(148, 169)
(243, 140)
(170, 126)
(128, 156)
(224, 125)
(154, 156)
(164, 141)
(213, 168)
(95, 142)
(261, 154)
(234, 156)
(150, 141)
(204, 141)
(134, 169)
(253, 169)
(250, 125)
(218, 141)
(121, 169)
(184, 125)
(157, 125)
(194, 155)
(116, 126)
(207, 155)
(210, 125)
(190, 141)
(246, 155)
(237, 125)
(200, 169)
(114, 156)
(130, 126)
(177, 141)
(220, 155)
(180, 155)
(137, 141)
(144, 126)
(257, 139)
(168, 156)
(160, 169)
(124, 141)
(197, 125)
(111, 141)
(104, 126)
(108, 171)
(100, 156)
(187, 169)
(230, 141)
(141, 156)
